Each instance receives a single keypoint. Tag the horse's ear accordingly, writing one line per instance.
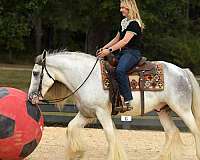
(38, 59)
(44, 53)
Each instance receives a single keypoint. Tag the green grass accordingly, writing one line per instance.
(20, 80)
(16, 79)
(59, 113)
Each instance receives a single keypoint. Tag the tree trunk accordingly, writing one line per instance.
(86, 40)
(50, 35)
(188, 13)
(38, 34)
(10, 56)
(96, 38)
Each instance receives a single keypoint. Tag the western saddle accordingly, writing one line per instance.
(143, 67)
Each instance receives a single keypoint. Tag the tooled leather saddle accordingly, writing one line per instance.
(149, 77)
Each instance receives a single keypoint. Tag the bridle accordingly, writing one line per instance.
(39, 92)
(42, 73)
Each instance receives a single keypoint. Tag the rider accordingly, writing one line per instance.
(128, 41)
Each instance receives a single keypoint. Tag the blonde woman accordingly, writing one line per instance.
(129, 42)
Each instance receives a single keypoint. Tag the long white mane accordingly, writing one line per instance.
(64, 52)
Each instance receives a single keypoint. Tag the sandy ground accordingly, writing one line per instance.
(139, 145)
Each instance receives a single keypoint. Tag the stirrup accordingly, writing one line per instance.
(129, 108)
(123, 109)
(119, 109)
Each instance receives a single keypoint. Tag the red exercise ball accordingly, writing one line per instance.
(21, 124)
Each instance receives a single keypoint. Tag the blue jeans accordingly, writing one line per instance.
(127, 58)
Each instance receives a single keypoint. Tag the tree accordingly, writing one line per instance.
(16, 18)
(170, 32)
(35, 9)
(93, 18)
(172, 28)
(13, 27)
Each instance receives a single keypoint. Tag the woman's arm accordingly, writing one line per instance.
(112, 42)
(120, 44)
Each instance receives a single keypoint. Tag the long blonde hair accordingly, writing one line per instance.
(133, 11)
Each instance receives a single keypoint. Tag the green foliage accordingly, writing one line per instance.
(13, 26)
(14, 22)
(170, 32)
(187, 53)
(172, 28)
(79, 15)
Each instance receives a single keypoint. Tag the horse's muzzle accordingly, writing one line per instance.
(34, 98)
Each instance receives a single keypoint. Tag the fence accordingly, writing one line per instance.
(54, 117)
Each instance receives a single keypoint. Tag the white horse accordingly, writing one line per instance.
(181, 91)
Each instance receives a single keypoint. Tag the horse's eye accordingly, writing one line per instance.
(35, 73)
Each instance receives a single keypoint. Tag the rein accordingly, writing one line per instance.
(62, 98)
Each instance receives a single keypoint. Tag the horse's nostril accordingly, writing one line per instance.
(35, 73)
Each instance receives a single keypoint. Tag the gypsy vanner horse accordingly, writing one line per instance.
(181, 93)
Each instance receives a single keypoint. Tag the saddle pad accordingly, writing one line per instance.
(153, 81)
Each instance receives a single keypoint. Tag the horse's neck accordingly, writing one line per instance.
(71, 69)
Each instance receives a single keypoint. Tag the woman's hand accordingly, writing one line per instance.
(99, 50)
(103, 53)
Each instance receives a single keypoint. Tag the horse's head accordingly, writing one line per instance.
(41, 79)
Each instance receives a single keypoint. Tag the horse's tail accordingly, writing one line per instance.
(195, 96)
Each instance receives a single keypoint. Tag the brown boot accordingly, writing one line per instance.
(128, 105)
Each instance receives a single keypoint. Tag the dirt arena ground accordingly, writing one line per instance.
(139, 145)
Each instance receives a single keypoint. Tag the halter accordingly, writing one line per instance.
(41, 79)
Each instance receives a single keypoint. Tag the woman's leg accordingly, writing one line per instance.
(126, 62)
